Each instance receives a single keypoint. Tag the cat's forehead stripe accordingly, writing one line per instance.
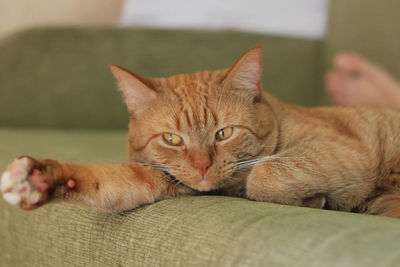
(205, 115)
(188, 118)
(177, 123)
(190, 103)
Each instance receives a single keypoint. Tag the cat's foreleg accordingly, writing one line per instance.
(30, 183)
(277, 182)
(337, 176)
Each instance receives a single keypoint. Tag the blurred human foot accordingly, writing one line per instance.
(357, 81)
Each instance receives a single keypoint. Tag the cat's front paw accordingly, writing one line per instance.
(266, 183)
(24, 184)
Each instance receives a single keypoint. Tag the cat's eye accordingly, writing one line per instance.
(224, 133)
(172, 139)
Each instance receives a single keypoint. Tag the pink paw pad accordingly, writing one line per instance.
(16, 173)
(17, 186)
(21, 190)
(38, 181)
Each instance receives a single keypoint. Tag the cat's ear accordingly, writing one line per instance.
(244, 77)
(136, 89)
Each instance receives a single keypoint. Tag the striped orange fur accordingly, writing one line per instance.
(218, 132)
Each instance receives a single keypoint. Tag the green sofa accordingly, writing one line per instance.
(59, 101)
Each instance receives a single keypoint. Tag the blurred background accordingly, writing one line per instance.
(55, 53)
(305, 18)
(22, 14)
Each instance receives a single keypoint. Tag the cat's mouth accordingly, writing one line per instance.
(175, 180)
(165, 169)
(202, 186)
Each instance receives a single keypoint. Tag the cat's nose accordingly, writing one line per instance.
(202, 164)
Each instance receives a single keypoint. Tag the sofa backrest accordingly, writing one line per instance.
(59, 77)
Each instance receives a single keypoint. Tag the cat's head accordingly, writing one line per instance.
(197, 127)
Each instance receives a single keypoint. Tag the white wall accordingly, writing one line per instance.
(298, 18)
(20, 14)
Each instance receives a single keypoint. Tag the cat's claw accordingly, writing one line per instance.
(22, 185)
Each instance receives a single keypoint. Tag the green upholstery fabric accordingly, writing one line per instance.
(186, 231)
(196, 231)
(60, 77)
(365, 26)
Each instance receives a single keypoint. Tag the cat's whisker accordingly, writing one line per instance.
(240, 172)
(270, 159)
(158, 166)
(263, 159)
(177, 182)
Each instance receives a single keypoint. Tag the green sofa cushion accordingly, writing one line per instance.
(196, 231)
(59, 77)
(185, 231)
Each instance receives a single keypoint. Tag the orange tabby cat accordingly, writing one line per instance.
(218, 131)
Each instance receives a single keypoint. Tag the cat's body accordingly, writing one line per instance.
(216, 131)
(348, 156)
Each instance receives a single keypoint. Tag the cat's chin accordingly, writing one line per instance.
(202, 186)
